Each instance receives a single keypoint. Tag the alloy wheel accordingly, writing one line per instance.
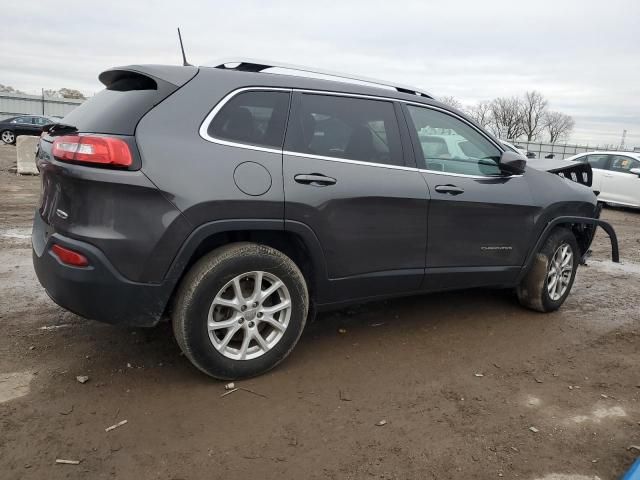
(559, 271)
(8, 137)
(249, 315)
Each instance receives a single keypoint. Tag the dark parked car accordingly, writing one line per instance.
(11, 128)
(239, 202)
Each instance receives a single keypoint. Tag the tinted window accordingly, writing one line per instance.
(256, 118)
(621, 163)
(596, 161)
(26, 120)
(450, 145)
(343, 127)
(41, 120)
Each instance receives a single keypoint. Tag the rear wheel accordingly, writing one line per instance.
(240, 310)
(8, 137)
(550, 278)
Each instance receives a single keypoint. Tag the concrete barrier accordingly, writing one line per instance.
(26, 146)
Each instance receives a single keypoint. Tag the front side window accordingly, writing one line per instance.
(622, 163)
(348, 128)
(451, 146)
(253, 118)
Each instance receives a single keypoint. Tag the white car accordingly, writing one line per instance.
(616, 175)
(514, 148)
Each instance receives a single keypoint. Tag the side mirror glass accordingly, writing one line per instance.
(513, 162)
(635, 171)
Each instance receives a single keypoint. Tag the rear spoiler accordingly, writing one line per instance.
(175, 75)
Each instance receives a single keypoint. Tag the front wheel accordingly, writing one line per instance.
(240, 310)
(8, 137)
(549, 280)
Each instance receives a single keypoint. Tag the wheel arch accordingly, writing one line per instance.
(297, 241)
(583, 229)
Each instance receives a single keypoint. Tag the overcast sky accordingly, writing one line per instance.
(583, 56)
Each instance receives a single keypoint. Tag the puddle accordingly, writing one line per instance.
(16, 235)
(611, 267)
(600, 414)
(14, 385)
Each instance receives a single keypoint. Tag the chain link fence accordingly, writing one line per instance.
(556, 150)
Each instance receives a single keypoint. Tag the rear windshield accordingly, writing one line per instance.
(117, 111)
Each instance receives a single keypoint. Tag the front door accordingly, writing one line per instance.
(480, 220)
(346, 178)
(619, 184)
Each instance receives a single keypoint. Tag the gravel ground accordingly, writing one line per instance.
(470, 384)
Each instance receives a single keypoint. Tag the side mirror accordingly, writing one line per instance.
(513, 162)
(635, 171)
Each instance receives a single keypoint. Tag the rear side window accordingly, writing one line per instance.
(23, 120)
(596, 161)
(254, 118)
(348, 128)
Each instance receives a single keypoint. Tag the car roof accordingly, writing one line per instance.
(609, 152)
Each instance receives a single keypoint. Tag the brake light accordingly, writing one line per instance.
(91, 149)
(69, 257)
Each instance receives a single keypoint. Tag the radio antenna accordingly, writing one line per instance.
(184, 57)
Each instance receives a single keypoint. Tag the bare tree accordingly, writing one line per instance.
(9, 89)
(72, 93)
(65, 93)
(481, 113)
(452, 102)
(535, 106)
(558, 125)
(506, 117)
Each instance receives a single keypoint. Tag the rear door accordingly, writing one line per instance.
(480, 220)
(348, 179)
(619, 183)
(599, 164)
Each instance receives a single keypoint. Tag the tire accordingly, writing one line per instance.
(211, 321)
(8, 137)
(538, 290)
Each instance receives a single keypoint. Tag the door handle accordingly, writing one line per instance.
(450, 189)
(315, 179)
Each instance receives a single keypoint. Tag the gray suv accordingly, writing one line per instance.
(239, 200)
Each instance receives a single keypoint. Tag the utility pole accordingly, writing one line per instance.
(42, 89)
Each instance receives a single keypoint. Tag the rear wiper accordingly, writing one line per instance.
(58, 128)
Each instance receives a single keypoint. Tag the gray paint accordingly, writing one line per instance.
(377, 231)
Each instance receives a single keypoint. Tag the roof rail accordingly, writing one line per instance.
(253, 65)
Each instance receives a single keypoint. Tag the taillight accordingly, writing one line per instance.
(69, 257)
(91, 149)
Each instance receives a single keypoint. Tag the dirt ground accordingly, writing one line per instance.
(470, 384)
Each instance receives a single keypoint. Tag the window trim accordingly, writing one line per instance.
(208, 119)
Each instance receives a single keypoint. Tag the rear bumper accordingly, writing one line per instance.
(98, 291)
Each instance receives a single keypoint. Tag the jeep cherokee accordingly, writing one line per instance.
(240, 199)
